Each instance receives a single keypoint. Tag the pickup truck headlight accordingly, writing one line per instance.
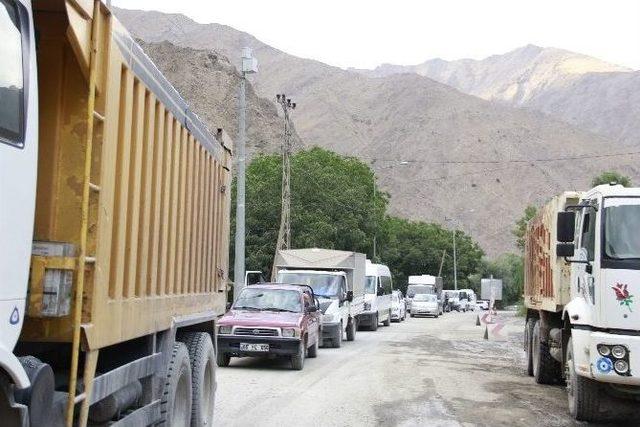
(289, 332)
(224, 330)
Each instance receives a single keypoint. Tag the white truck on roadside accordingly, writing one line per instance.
(337, 279)
(377, 296)
(425, 284)
(582, 278)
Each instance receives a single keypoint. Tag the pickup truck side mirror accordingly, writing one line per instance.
(349, 296)
(565, 250)
(566, 227)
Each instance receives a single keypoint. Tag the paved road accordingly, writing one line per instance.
(422, 372)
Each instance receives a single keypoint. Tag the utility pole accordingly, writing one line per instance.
(284, 234)
(444, 252)
(249, 66)
(455, 262)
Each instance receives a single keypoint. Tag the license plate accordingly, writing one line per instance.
(253, 347)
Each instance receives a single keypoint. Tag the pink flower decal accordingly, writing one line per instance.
(622, 295)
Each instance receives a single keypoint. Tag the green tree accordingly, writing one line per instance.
(332, 205)
(521, 225)
(611, 176)
(415, 247)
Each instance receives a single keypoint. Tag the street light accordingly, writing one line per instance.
(249, 66)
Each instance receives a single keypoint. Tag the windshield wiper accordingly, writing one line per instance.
(279, 309)
(247, 307)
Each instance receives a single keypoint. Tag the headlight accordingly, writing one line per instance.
(224, 330)
(289, 332)
(618, 351)
(604, 350)
(621, 366)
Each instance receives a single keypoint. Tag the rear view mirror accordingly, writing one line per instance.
(350, 296)
(566, 227)
(565, 250)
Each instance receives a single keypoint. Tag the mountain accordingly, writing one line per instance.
(443, 155)
(568, 86)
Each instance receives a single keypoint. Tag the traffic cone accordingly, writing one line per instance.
(486, 332)
(478, 320)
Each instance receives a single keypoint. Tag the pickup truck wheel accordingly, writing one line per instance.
(388, 321)
(374, 323)
(351, 330)
(222, 359)
(336, 341)
(203, 380)
(312, 351)
(546, 370)
(528, 333)
(583, 393)
(297, 360)
(175, 406)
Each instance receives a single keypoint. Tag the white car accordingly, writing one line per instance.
(482, 304)
(425, 305)
(398, 307)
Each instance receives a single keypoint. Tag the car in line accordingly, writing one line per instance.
(398, 307)
(271, 320)
(425, 305)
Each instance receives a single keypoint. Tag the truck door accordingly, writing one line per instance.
(18, 162)
(585, 270)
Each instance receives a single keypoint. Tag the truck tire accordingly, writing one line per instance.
(374, 323)
(297, 360)
(583, 393)
(388, 321)
(546, 370)
(312, 352)
(203, 377)
(336, 341)
(528, 333)
(175, 406)
(351, 330)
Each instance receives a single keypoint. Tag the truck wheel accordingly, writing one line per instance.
(583, 393)
(374, 323)
(388, 321)
(175, 406)
(351, 330)
(297, 360)
(546, 370)
(203, 377)
(528, 333)
(336, 341)
(312, 351)
(222, 359)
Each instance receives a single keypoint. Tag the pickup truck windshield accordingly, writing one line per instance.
(269, 300)
(370, 285)
(324, 285)
(11, 74)
(621, 226)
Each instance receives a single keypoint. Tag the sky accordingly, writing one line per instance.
(364, 34)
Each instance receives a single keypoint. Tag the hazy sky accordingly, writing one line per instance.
(360, 33)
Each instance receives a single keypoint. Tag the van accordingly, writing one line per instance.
(377, 296)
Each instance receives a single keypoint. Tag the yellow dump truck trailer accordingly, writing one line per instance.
(114, 225)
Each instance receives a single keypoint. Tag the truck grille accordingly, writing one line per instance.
(257, 332)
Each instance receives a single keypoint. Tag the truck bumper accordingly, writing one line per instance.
(330, 330)
(277, 346)
(590, 363)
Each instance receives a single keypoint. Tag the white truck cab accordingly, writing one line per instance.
(467, 299)
(581, 293)
(377, 296)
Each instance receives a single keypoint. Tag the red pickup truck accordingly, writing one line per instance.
(271, 319)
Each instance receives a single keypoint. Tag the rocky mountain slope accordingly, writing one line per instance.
(575, 88)
(444, 156)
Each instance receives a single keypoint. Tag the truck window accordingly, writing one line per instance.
(385, 282)
(588, 239)
(11, 75)
(621, 225)
(370, 284)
